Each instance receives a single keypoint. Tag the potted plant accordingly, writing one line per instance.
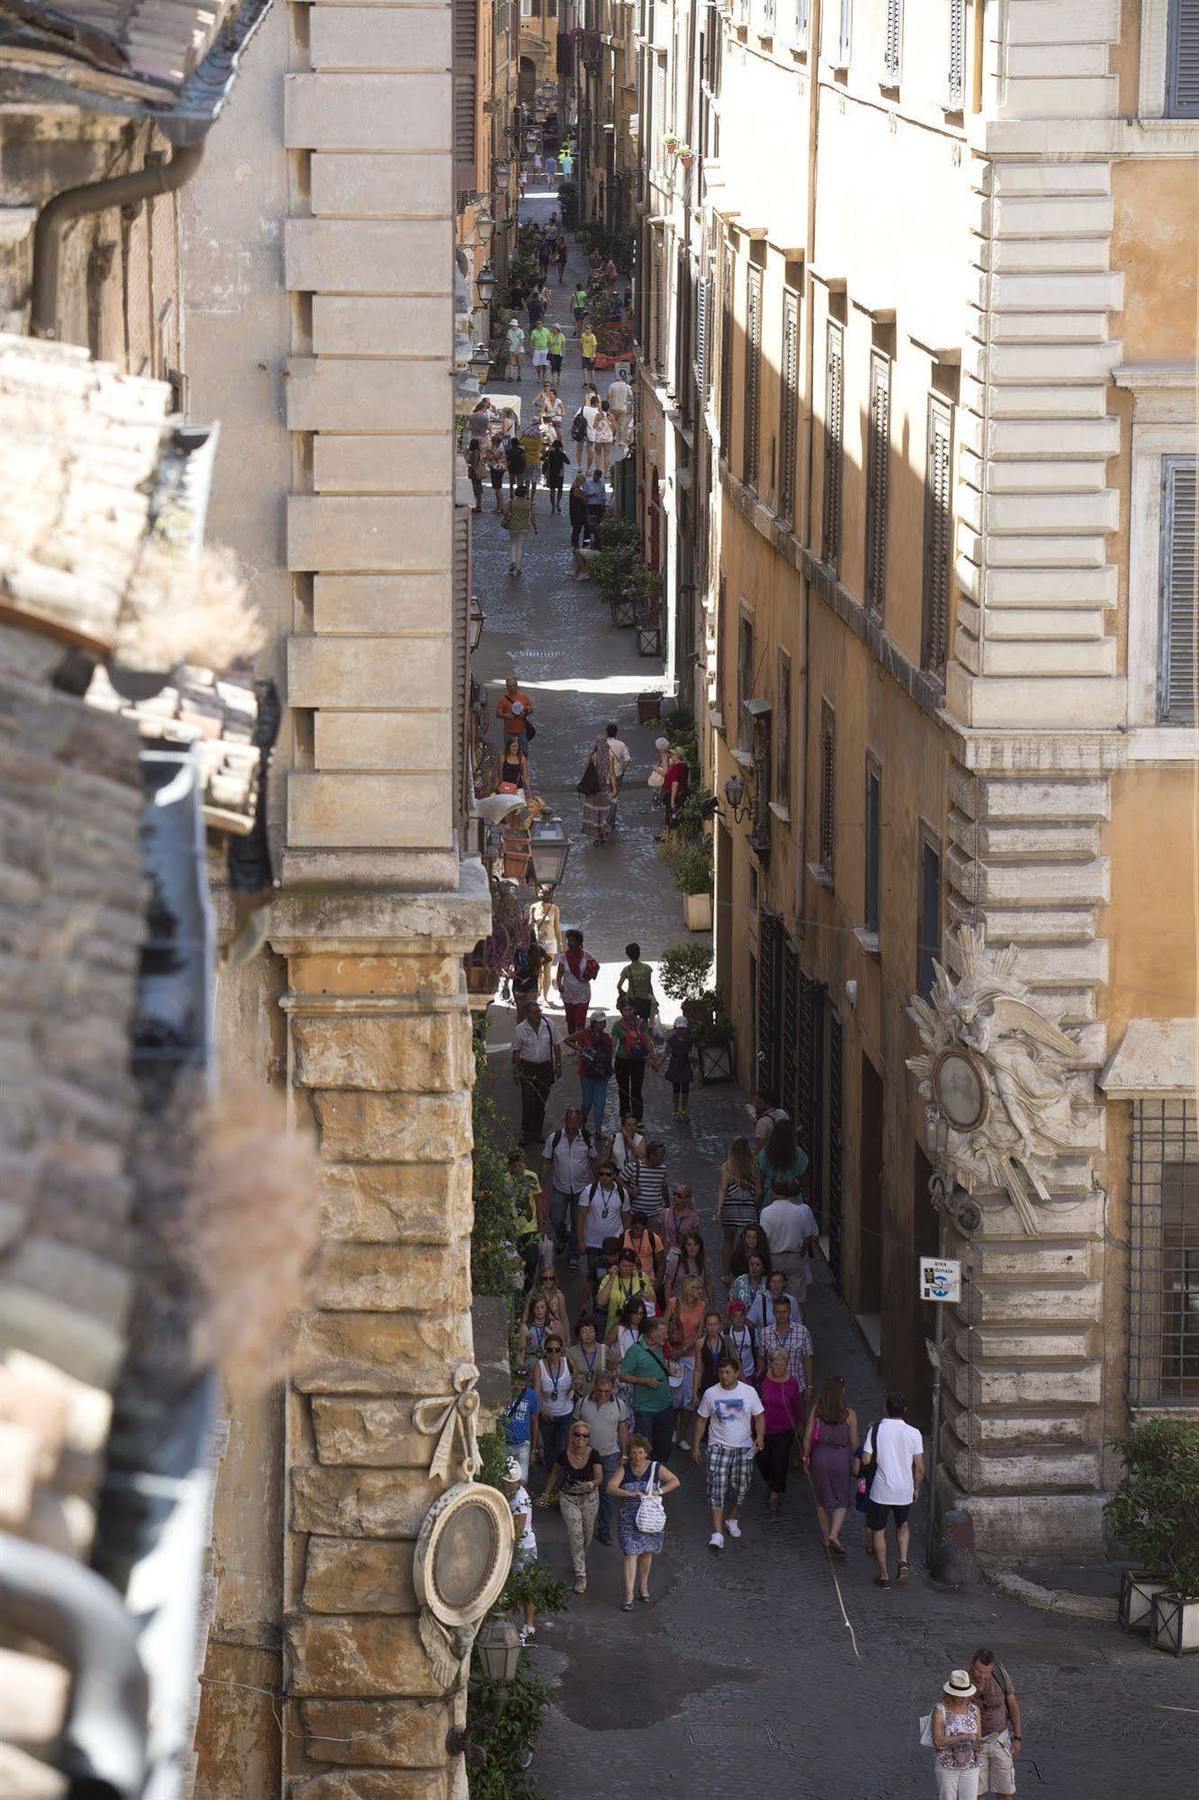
(692, 865)
(649, 706)
(1154, 1514)
(686, 970)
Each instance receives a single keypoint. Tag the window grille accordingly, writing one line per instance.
(1178, 663)
(957, 54)
(893, 40)
(1164, 1288)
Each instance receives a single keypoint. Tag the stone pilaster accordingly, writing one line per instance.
(380, 1061)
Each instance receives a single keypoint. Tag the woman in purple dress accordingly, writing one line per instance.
(832, 1432)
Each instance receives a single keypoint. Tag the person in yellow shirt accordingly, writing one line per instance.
(589, 344)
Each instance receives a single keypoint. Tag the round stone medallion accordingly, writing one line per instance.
(463, 1553)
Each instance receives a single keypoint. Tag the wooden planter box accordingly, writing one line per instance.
(1175, 1624)
(649, 640)
(624, 611)
(716, 1062)
(697, 911)
(648, 708)
(1137, 1593)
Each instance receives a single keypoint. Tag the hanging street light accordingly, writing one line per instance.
(480, 359)
(485, 282)
(484, 225)
(550, 847)
(734, 793)
(478, 619)
(497, 1647)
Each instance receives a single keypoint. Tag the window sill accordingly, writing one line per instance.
(782, 813)
(716, 720)
(1163, 743)
(743, 757)
(867, 941)
(821, 876)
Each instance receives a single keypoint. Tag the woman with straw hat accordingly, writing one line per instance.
(957, 1734)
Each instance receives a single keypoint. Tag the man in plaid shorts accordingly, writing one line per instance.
(733, 1416)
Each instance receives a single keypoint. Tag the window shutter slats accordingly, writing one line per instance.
(893, 39)
(834, 417)
(1179, 661)
(703, 295)
(957, 52)
(878, 479)
(726, 354)
(465, 44)
(1182, 60)
(938, 535)
(828, 787)
(789, 403)
(753, 375)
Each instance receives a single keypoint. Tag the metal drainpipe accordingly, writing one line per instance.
(79, 202)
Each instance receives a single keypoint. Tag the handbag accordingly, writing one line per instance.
(656, 779)
(926, 1731)
(530, 730)
(651, 1512)
(589, 782)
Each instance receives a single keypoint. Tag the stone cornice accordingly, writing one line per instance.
(355, 921)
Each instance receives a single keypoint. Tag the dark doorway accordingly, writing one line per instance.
(926, 1241)
(724, 908)
(870, 1211)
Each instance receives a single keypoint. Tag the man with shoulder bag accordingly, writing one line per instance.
(1002, 1737)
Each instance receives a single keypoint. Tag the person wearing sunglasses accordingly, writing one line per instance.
(575, 1477)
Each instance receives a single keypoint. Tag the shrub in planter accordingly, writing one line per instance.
(685, 972)
(691, 866)
(1154, 1514)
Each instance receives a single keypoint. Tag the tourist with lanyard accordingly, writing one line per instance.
(760, 1312)
(630, 1040)
(526, 1197)
(587, 1357)
(628, 1145)
(547, 1287)
(680, 1216)
(595, 1049)
(610, 1423)
(784, 1334)
(520, 1421)
(644, 1368)
(751, 1286)
(620, 1288)
(554, 1383)
(566, 1169)
(712, 1346)
(648, 1249)
(742, 1343)
(535, 1330)
(576, 1477)
(649, 1184)
(602, 1214)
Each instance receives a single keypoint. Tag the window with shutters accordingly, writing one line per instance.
(957, 55)
(726, 352)
(842, 22)
(789, 405)
(834, 434)
(745, 680)
(1163, 1350)
(928, 929)
(466, 42)
(1182, 60)
(828, 789)
(878, 479)
(782, 736)
(1178, 663)
(938, 536)
(874, 809)
(752, 421)
(803, 12)
(892, 43)
(703, 314)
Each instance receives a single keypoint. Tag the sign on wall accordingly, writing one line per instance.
(940, 1278)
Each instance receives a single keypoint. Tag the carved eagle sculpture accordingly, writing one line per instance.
(1025, 1061)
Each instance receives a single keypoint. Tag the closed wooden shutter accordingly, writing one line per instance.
(703, 299)
(893, 39)
(1179, 663)
(878, 479)
(844, 33)
(834, 420)
(957, 53)
(1182, 60)
(726, 353)
(789, 1057)
(753, 375)
(873, 837)
(466, 38)
(770, 980)
(828, 787)
(834, 1147)
(938, 535)
(461, 648)
(801, 21)
(789, 405)
(928, 947)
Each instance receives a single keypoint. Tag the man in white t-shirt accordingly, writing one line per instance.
(790, 1228)
(603, 1213)
(621, 757)
(734, 1418)
(894, 1450)
(618, 405)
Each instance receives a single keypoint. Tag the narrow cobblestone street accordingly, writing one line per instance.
(745, 1675)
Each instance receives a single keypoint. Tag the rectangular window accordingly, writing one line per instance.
(878, 479)
(751, 422)
(834, 420)
(938, 535)
(789, 405)
(782, 740)
(745, 680)
(726, 353)
(928, 945)
(1178, 656)
(722, 638)
(1182, 60)
(874, 800)
(893, 42)
(703, 314)
(844, 32)
(957, 54)
(465, 28)
(828, 787)
(1164, 1288)
(802, 11)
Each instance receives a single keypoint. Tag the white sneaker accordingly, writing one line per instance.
(684, 1443)
(716, 1541)
(732, 1527)
(523, 1634)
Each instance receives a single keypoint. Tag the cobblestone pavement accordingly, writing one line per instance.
(744, 1677)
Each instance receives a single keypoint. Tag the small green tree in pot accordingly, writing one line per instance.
(685, 975)
(1154, 1514)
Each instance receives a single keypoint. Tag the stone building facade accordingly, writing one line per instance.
(325, 223)
(936, 368)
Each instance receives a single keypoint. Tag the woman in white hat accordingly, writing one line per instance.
(957, 1734)
(657, 775)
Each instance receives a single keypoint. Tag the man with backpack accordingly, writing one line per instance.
(602, 1214)
(566, 1170)
(1001, 1728)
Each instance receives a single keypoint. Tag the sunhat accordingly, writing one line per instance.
(959, 1686)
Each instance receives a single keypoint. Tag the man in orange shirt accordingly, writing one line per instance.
(514, 709)
(647, 1247)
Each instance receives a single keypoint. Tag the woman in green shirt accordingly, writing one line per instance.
(636, 984)
(645, 1369)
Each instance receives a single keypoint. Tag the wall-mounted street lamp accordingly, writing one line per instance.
(550, 848)
(485, 283)
(484, 225)
(478, 618)
(734, 793)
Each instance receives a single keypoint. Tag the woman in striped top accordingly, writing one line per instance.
(650, 1185)
(738, 1199)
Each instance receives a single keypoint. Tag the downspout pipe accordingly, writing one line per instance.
(78, 203)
